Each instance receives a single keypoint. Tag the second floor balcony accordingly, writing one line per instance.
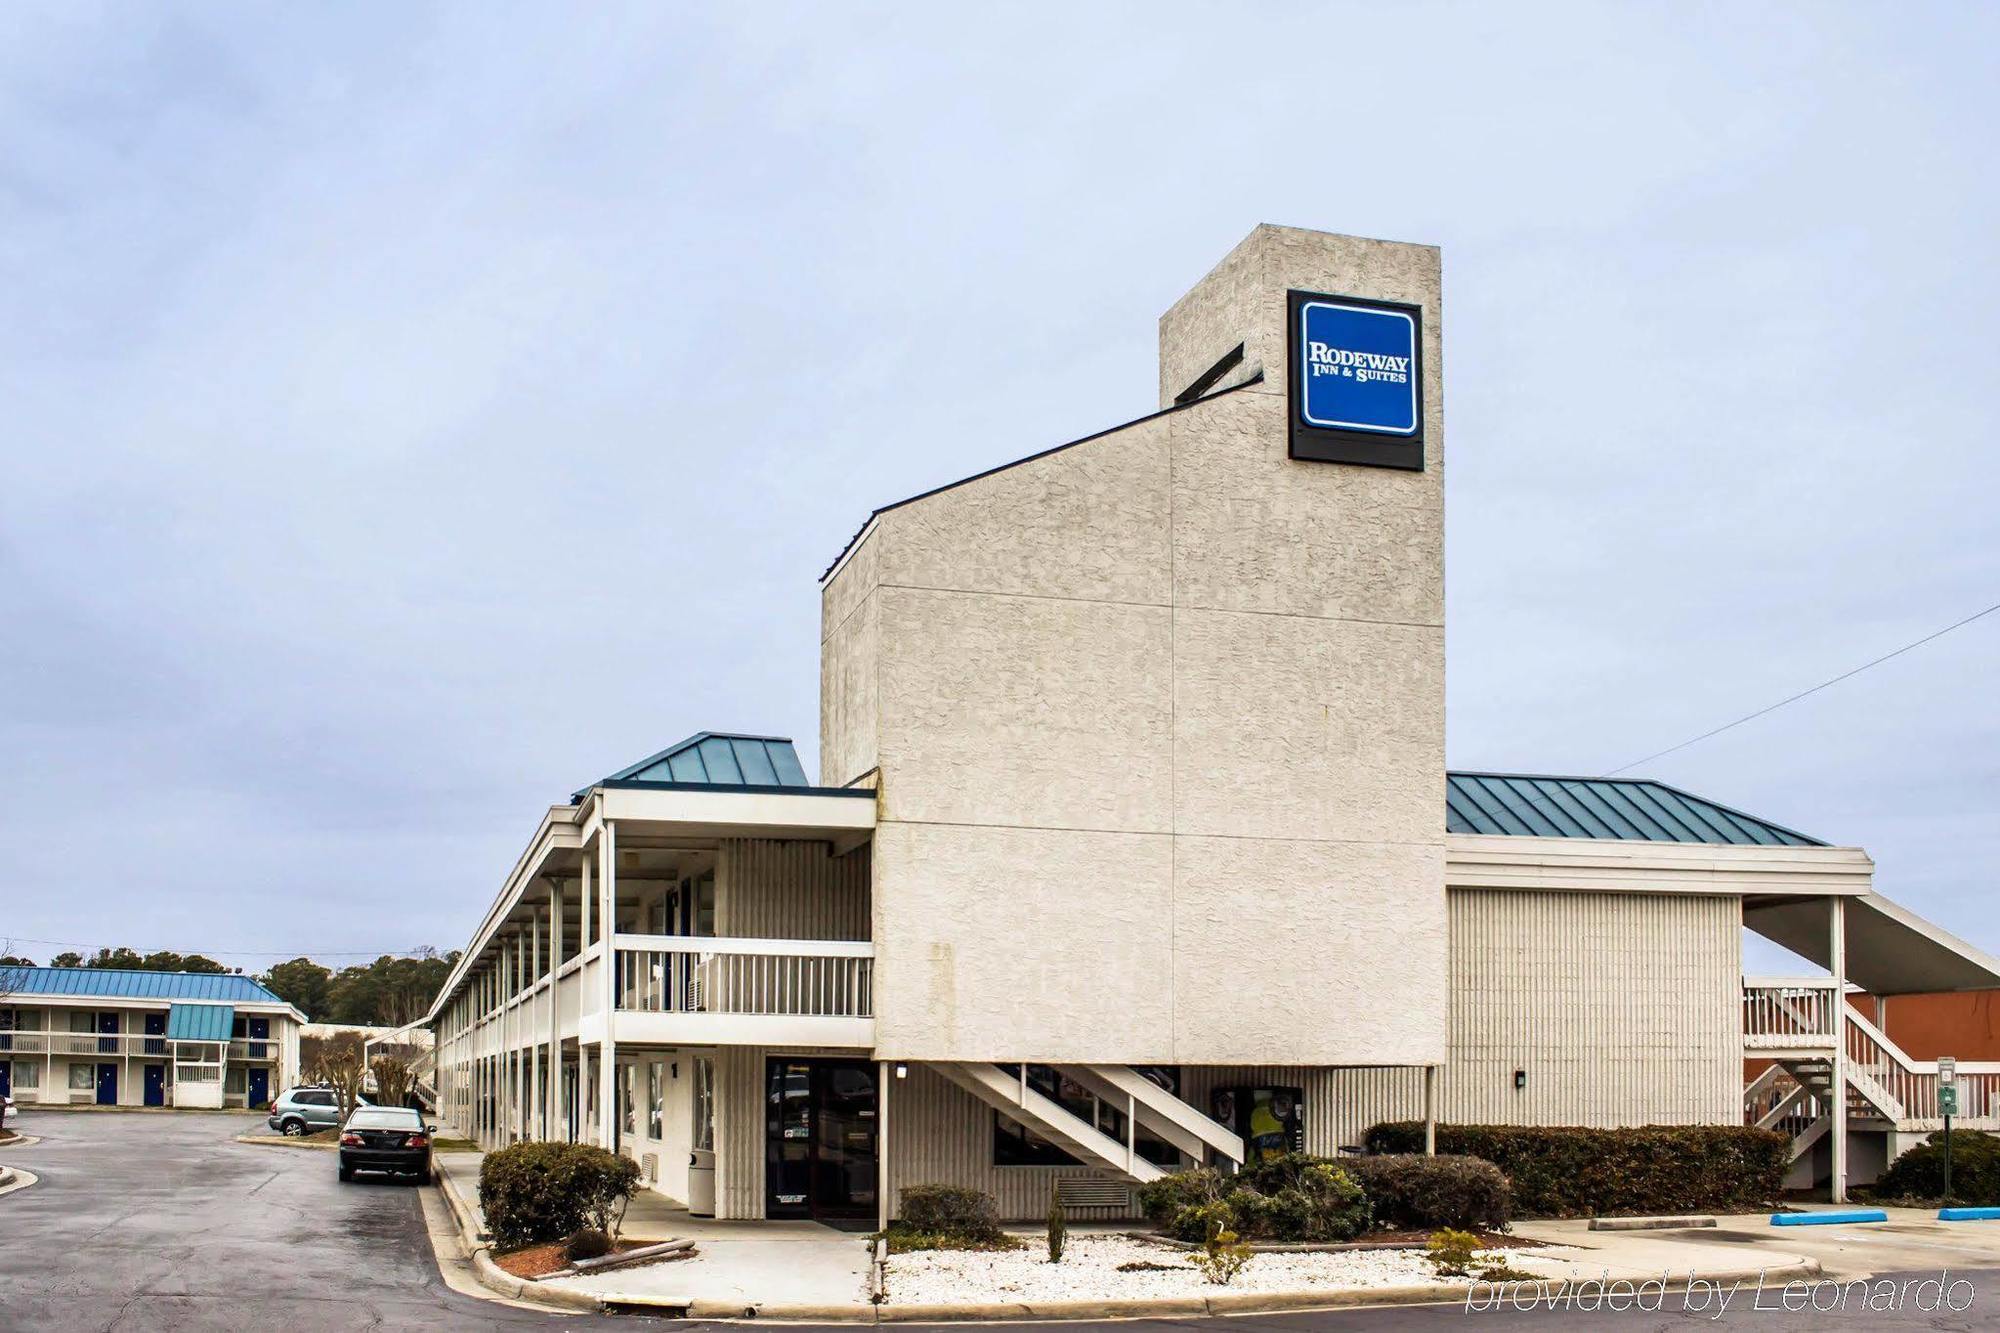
(678, 988)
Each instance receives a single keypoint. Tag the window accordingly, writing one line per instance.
(27, 1020)
(81, 1022)
(384, 1117)
(656, 1087)
(27, 1074)
(704, 1103)
(704, 904)
(313, 1098)
(1014, 1144)
(626, 1078)
(82, 1078)
(232, 1082)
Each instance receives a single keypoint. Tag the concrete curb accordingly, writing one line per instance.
(279, 1141)
(1649, 1223)
(13, 1178)
(497, 1279)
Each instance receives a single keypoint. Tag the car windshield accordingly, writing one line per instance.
(387, 1117)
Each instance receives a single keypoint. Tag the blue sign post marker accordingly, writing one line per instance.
(1356, 381)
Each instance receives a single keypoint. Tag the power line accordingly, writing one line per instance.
(1792, 699)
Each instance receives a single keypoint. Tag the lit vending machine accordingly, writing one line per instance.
(1271, 1121)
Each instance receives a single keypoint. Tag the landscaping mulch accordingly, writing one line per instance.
(541, 1260)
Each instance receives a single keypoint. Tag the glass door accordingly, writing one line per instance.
(820, 1124)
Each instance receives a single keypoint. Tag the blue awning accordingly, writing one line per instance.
(200, 1022)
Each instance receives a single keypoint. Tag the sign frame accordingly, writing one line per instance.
(1355, 444)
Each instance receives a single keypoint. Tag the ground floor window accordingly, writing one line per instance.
(232, 1082)
(626, 1074)
(1014, 1144)
(704, 1103)
(82, 1078)
(27, 1074)
(656, 1091)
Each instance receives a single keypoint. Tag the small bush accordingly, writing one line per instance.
(1293, 1197)
(532, 1193)
(1058, 1226)
(1975, 1170)
(951, 1210)
(1414, 1191)
(1451, 1252)
(588, 1243)
(1221, 1257)
(904, 1240)
(1568, 1171)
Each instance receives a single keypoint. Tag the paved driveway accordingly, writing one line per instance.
(159, 1221)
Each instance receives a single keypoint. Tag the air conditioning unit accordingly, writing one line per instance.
(649, 1168)
(1093, 1192)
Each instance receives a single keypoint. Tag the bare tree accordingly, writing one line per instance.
(340, 1065)
(392, 1079)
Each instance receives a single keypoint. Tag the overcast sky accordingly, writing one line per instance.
(412, 413)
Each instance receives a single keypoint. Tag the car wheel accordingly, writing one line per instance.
(293, 1129)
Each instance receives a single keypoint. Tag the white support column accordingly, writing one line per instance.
(1430, 1111)
(552, 1105)
(1837, 964)
(884, 1193)
(607, 915)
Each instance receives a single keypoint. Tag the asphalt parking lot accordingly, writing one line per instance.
(161, 1221)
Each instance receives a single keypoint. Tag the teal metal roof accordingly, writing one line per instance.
(1622, 809)
(118, 984)
(200, 1022)
(720, 759)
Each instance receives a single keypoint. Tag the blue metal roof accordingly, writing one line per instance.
(200, 1022)
(722, 759)
(117, 984)
(1623, 809)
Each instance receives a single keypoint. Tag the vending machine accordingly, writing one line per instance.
(1270, 1120)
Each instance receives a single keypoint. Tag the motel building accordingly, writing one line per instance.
(83, 1036)
(1132, 846)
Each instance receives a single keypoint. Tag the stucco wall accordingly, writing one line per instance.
(1159, 722)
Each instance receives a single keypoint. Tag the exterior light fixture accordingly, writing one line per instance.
(1520, 1079)
(902, 1071)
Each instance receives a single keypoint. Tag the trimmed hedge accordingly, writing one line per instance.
(1292, 1197)
(956, 1211)
(1414, 1191)
(537, 1192)
(1919, 1173)
(1570, 1171)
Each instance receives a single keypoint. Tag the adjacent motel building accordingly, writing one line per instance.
(1132, 845)
(81, 1036)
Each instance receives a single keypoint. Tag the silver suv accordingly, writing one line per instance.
(301, 1111)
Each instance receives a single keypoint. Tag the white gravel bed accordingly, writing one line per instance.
(1089, 1271)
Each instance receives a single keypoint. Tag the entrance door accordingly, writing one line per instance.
(260, 1031)
(260, 1088)
(819, 1139)
(156, 1085)
(6, 1078)
(156, 1031)
(107, 1085)
(108, 1023)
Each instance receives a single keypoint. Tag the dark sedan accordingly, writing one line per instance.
(385, 1138)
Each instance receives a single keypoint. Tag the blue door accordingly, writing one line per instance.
(260, 1030)
(156, 1085)
(156, 1027)
(6, 1077)
(107, 1085)
(260, 1088)
(107, 1023)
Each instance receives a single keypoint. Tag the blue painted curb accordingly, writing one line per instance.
(1968, 1214)
(1829, 1219)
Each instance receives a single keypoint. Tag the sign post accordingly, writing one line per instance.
(1947, 1107)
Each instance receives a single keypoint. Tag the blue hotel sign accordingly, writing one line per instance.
(1356, 380)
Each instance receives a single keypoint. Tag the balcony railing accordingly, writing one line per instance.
(1788, 1013)
(122, 1044)
(704, 975)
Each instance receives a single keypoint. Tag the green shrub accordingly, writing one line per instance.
(950, 1210)
(1567, 1171)
(1058, 1226)
(1451, 1252)
(1222, 1256)
(537, 1192)
(1975, 1170)
(1414, 1191)
(588, 1243)
(1293, 1197)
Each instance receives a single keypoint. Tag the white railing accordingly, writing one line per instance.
(1912, 1085)
(80, 1043)
(800, 978)
(259, 1050)
(1784, 1012)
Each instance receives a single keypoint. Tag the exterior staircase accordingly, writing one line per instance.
(1144, 1102)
